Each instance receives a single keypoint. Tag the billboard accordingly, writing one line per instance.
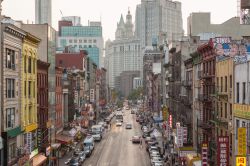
(238, 50)
(242, 141)
(223, 150)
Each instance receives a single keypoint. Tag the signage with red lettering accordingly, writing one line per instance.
(223, 150)
(204, 153)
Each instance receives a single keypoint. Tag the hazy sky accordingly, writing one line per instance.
(109, 11)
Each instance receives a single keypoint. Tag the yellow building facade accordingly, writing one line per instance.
(29, 91)
(224, 99)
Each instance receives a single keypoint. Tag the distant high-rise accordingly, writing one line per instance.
(157, 17)
(43, 11)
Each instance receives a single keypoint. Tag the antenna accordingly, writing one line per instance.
(61, 13)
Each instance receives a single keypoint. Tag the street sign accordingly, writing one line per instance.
(92, 95)
(241, 161)
(242, 143)
(223, 150)
(179, 135)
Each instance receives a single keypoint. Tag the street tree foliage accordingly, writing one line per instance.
(135, 94)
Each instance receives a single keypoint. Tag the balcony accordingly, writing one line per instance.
(206, 125)
(213, 145)
(187, 83)
(203, 98)
(221, 122)
(200, 73)
(207, 75)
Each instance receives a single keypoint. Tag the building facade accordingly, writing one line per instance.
(29, 91)
(43, 105)
(11, 64)
(87, 38)
(155, 17)
(43, 12)
(59, 100)
(199, 24)
(46, 53)
(127, 78)
(124, 53)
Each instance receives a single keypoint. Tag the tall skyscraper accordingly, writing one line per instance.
(124, 53)
(43, 11)
(157, 17)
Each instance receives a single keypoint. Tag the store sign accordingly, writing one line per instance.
(170, 121)
(242, 141)
(223, 150)
(165, 113)
(29, 141)
(33, 153)
(241, 161)
(168, 132)
(179, 135)
(184, 133)
(92, 95)
(241, 111)
(204, 153)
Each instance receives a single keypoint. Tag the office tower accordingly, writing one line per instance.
(43, 11)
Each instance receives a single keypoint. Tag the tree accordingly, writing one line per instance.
(135, 94)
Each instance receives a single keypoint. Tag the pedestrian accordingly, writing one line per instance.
(141, 142)
(110, 125)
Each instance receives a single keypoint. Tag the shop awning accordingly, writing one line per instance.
(64, 139)
(39, 160)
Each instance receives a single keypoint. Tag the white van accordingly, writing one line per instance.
(96, 131)
(88, 145)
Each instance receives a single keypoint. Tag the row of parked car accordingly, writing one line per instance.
(87, 147)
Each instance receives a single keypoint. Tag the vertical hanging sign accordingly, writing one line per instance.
(223, 150)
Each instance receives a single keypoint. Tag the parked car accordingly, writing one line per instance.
(89, 145)
(156, 160)
(74, 161)
(135, 139)
(128, 126)
(80, 154)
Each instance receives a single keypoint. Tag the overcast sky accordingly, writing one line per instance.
(109, 11)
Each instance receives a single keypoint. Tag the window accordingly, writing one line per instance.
(90, 41)
(25, 67)
(237, 126)
(94, 41)
(75, 41)
(225, 83)
(29, 65)
(237, 92)
(85, 41)
(221, 84)
(10, 88)
(230, 111)
(244, 93)
(225, 110)
(221, 110)
(70, 41)
(25, 88)
(12, 151)
(231, 81)
(10, 117)
(80, 41)
(10, 59)
(29, 89)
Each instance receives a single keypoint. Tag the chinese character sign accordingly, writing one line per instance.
(204, 153)
(241, 161)
(242, 141)
(170, 120)
(184, 133)
(223, 150)
(179, 135)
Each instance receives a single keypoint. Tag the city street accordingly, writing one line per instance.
(116, 148)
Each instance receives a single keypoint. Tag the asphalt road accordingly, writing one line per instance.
(116, 148)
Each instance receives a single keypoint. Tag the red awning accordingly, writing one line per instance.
(64, 139)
